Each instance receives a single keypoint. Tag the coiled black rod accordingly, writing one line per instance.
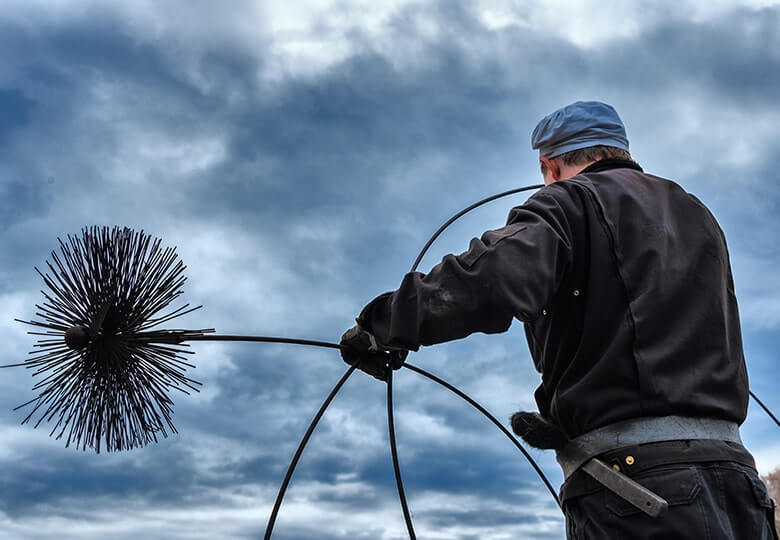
(337, 388)
(390, 414)
(304, 441)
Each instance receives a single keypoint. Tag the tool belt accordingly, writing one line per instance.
(580, 453)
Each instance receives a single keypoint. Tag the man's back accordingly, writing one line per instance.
(645, 320)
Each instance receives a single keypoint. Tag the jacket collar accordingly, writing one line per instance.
(611, 163)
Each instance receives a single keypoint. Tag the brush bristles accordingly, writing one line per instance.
(113, 393)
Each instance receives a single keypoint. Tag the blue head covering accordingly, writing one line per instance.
(579, 125)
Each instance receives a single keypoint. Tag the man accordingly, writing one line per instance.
(624, 285)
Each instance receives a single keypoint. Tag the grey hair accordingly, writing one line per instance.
(590, 153)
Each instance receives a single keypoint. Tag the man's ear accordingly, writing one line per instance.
(552, 166)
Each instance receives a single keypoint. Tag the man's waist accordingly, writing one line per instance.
(633, 460)
(641, 431)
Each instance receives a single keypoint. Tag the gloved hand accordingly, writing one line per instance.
(360, 348)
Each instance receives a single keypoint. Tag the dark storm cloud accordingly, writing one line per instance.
(15, 111)
(24, 190)
(22, 196)
(336, 141)
(334, 145)
(480, 518)
(735, 57)
(65, 59)
(455, 471)
(161, 477)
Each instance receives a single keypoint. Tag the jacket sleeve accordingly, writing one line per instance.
(509, 272)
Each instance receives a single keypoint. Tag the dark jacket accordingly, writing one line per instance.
(624, 284)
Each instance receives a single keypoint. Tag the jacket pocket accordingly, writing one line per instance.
(764, 524)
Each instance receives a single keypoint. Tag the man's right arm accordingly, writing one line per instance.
(509, 272)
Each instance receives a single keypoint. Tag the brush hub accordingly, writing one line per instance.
(77, 337)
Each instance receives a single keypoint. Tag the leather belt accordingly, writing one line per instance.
(580, 452)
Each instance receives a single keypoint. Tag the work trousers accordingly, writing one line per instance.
(719, 500)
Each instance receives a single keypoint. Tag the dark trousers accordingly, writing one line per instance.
(717, 500)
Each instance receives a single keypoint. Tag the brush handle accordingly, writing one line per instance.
(264, 339)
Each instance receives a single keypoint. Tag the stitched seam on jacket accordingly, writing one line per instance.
(605, 225)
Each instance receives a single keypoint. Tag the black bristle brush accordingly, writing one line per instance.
(106, 374)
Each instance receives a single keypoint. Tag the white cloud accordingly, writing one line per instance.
(248, 285)
(150, 140)
(589, 23)
(21, 441)
(16, 341)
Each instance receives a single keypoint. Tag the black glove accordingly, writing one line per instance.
(360, 348)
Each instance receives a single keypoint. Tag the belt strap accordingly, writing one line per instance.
(640, 431)
(582, 451)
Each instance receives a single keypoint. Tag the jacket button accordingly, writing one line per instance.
(544, 312)
(616, 467)
(576, 292)
(629, 460)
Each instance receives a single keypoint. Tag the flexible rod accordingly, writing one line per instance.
(390, 413)
(407, 365)
(269, 529)
(264, 339)
(394, 452)
(772, 416)
(442, 382)
(463, 212)
(493, 419)
(310, 430)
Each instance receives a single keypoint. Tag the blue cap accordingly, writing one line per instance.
(579, 125)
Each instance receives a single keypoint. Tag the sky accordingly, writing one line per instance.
(298, 155)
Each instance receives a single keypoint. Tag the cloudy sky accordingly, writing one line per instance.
(298, 155)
